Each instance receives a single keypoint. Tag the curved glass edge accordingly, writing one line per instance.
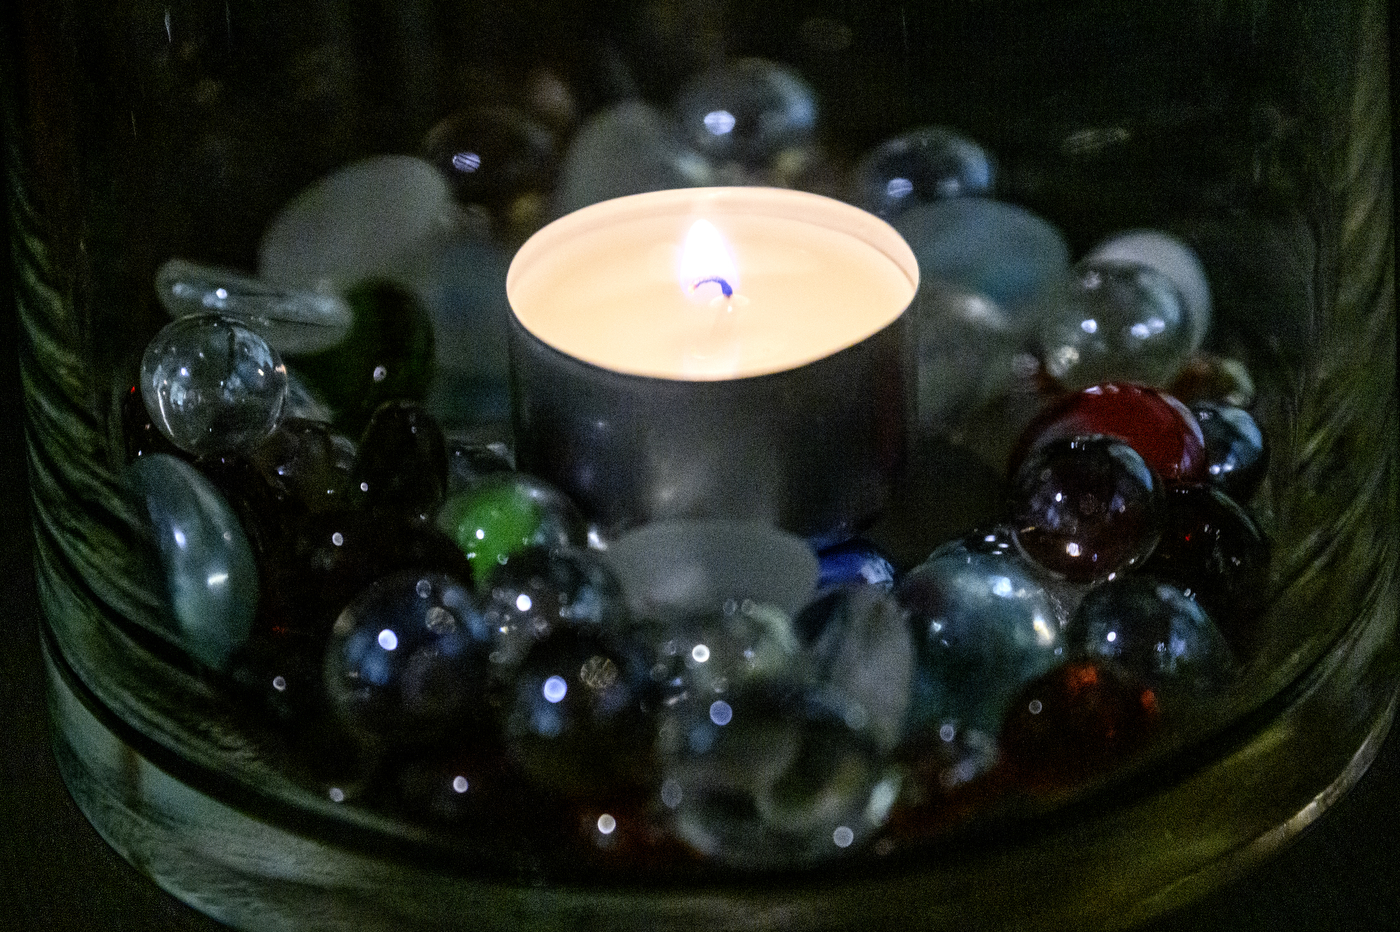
(1109, 868)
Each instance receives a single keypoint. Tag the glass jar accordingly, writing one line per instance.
(317, 159)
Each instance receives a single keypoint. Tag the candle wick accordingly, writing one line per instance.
(723, 285)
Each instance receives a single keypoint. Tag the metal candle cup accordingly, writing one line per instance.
(715, 352)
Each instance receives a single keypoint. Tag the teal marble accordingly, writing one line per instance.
(1157, 633)
(983, 626)
(990, 248)
(210, 575)
(627, 149)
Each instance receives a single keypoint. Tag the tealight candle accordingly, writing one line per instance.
(715, 352)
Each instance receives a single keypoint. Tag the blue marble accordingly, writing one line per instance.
(747, 110)
(925, 164)
(211, 385)
(983, 627)
(1115, 321)
(629, 148)
(853, 562)
(210, 576)
(1156, 632)
(1237, 455)
(407, 658)
(997, 250)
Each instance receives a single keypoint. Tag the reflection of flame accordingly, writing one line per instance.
(706, 267)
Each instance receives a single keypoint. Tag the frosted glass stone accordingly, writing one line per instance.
(627, 149)
(987, 247)
(210, 576)
(367, 219)
(211, 385)
(293, 321)
(1114, 321)
(694, 566)
(1174, 259)
(925, 164)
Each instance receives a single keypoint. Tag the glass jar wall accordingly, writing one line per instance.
(345, 184)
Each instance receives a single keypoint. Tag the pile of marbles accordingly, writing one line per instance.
(445, 638)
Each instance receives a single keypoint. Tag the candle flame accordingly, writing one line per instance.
(707, 268)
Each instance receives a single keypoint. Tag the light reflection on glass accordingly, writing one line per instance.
(719, 122)
(555, 689)
(388, 639)
(720, 712)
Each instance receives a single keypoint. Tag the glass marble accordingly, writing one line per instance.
(306, 464)
(365, 220)
(626, 149)
(211, 578)
(1086, 508)
(387, 355)
(407, 659)
(983, 626)
(574, 713)
(140, 436)
(1216, 379)
(1112, 320)
(504, 514)
(1171, 257)
(1214, 551)
(747, 110)
(699, 658)
(968, 355)
(772, 776)
(492, 156)
(858, 645)
(211, 385)
(855, 562)
(539, 588)
(291, 320)
(1237, 456)
(1000, 251)
(402, 459)
(1156, 633)
(468, 463)
(925, 164)
(1161, 429)
(1074, 724)
(694, 566)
